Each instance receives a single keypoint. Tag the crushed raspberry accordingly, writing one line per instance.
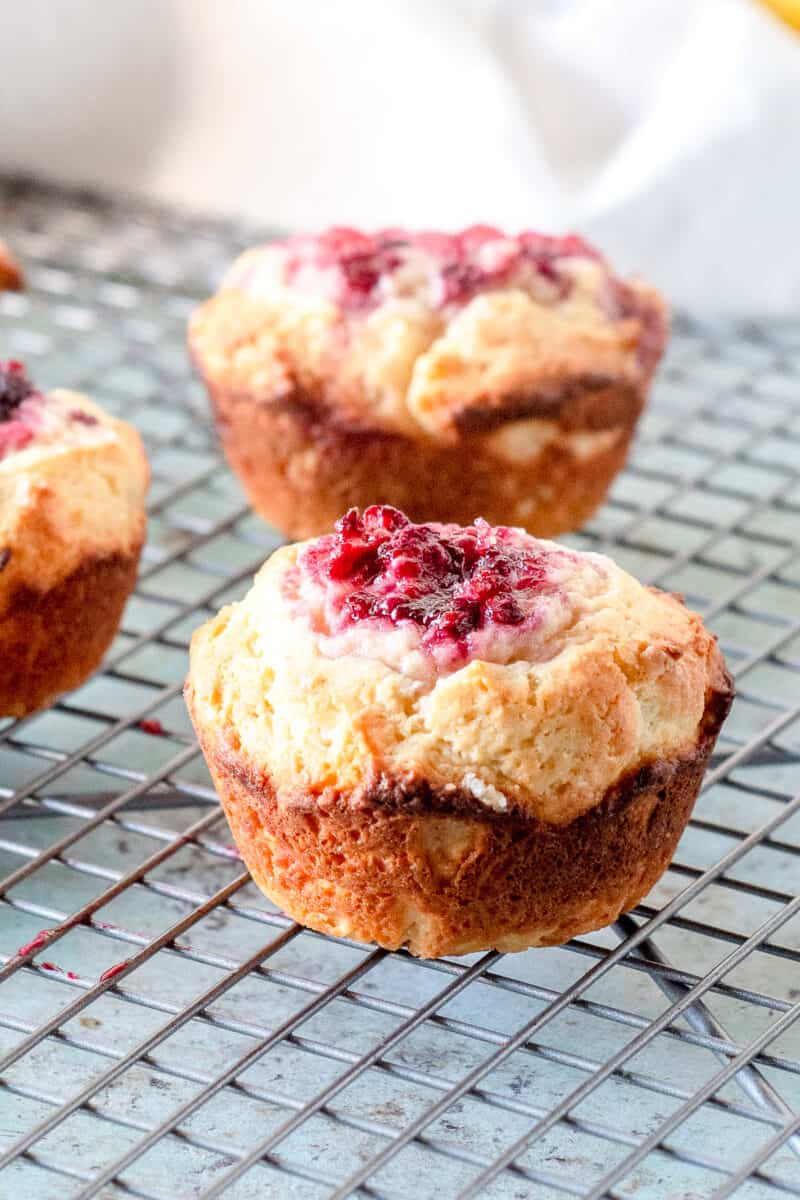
(82, 418)
(17, 424)
(51, 966)
(110, 972)
(41, 939)
(152, 726)
(14, 387)
(460, 281)
(476, 236)
(44, 935)
(14, 436)
(448, 580)
(460, 265)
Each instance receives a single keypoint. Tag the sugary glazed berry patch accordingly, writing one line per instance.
(459, 592)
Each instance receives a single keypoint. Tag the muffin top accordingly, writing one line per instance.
(72, 483)
(429, 332)
(483, 661)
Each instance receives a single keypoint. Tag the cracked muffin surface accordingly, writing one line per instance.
(462, 698)
(419, 368)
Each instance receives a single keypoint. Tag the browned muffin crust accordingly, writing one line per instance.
(302, 466)
(11, 277)
(399, 862)
(50, 641)
(588, 402)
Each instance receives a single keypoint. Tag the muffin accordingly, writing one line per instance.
(11, 278)
(451, 738)
(72, 521)
(445, 375)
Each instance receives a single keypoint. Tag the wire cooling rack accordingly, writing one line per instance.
(172, 1035)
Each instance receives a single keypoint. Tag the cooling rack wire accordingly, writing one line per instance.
(172, 1035)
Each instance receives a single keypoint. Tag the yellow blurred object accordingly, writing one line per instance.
(787, 10)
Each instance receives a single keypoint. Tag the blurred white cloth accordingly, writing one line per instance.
(666, 130)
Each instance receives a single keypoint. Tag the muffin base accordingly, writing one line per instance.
(404, 864)
(301, 469)
(50, 641)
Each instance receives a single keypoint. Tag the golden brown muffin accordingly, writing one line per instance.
(453, 738)
(72, 522)
(446, 375)
(11, 277)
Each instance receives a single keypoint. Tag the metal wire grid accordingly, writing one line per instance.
(658, 1059)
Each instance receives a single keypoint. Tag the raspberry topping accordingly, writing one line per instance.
(14, 388)
(448, 581)
(17, 420)
(363, 267)
(28, 415)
